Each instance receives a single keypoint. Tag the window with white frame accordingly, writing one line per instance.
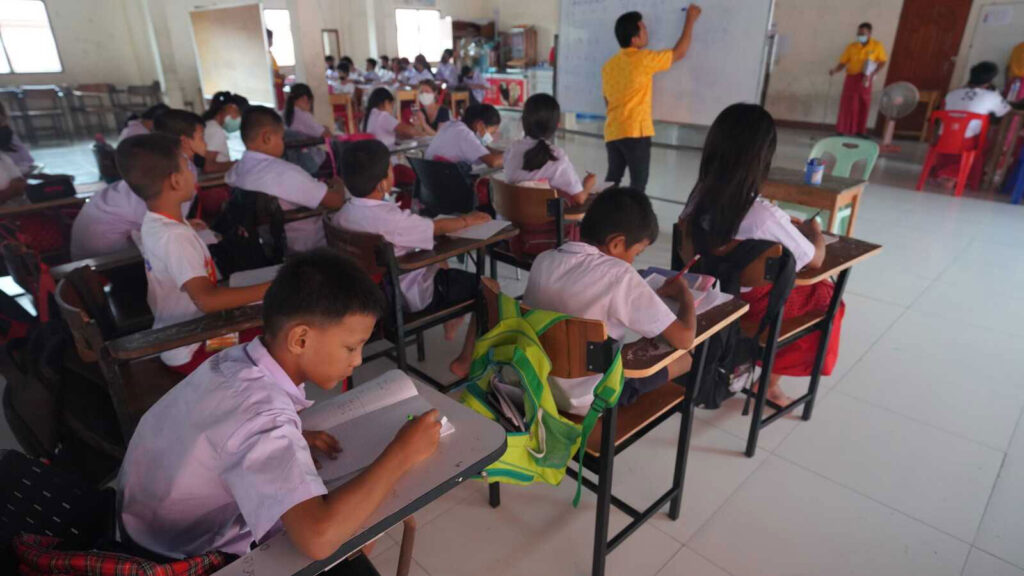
(422, 32)
(280, 23)
(27, 45)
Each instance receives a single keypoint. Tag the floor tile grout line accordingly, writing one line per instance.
(967, 559)
(670, 558)
(988, 502)
(709, 561)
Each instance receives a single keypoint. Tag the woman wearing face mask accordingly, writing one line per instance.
(862, 60)
(432, 114)
(223, 117)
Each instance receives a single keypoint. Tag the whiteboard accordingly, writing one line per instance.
(725, 63)
(231, 52)
(998, 29)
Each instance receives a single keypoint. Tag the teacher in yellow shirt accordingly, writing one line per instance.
(1015, 71)
(627, 82)
(862, 59)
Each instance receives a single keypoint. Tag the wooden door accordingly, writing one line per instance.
(924, 53)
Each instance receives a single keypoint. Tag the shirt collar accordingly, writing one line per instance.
(261, 357)
(579, 248)
(258, 155)
(356, 201)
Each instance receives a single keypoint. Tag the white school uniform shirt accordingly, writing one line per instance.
(766, 221)
(217, 140)
(8, 170)
(20, 155)
(105, 224)
(382, 126)
(978, 101)
(478, 93)
(217, 461)
(447, 73)
(384, 75)
(454, 141)
(306, 123)
(294, 188)
(132, 128)
(558, 174)
(580, 280)
(174, 254)
(406, 231)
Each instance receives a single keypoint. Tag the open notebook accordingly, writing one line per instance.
(365, 420)
(705, 297)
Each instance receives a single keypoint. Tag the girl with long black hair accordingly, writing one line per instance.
(725, 205)
(298, 113)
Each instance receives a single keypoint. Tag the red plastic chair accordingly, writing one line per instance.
(952, 141)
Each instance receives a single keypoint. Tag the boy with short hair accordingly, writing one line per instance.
(190, 130)
(595, 279)
(366, 170)
(181, 277)
(261, 169)
(239, 468)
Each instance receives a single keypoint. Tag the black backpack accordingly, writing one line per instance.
(728, 348)
(252, 232)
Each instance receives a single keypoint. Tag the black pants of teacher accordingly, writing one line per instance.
(634, 153)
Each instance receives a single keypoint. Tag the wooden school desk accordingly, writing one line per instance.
(840, 257)
(22, 206)
(446, 247)
(413, 145)
(211, 179)
(787, 185)
(620, 427)
(476, 443)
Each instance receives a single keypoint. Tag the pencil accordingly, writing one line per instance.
(684, 270)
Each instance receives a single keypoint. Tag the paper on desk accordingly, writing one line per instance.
(365, 420)
(703, 300)
(830, 238)
(253, 277)
(480, 231)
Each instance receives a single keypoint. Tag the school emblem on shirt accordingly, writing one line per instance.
(211, 271)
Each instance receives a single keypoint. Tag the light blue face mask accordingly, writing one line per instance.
(862, 39)
(486, 139)
(233, 123)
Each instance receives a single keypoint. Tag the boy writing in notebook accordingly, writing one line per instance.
(595, 279)
(181, 277)
(366, 169)
(261, 169)
(239, 468)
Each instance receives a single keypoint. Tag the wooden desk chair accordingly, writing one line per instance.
(766, 264)
(459, 103)
(344, 112)
(44, 111)
(91, 106)
(539, 214)
(377, 258)
(579, 347)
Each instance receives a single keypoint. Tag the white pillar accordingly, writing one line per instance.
(309, 55)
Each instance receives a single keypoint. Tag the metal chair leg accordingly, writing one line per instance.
(685, 429)
(494, 493)
(421, 349)
(604, 491)
(408, 541)
(826, 334)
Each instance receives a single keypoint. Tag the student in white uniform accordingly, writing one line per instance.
(595, 279)
(181, 276)
(380, 120)
(446, 70)
(466, 139)
(12, 147)
(190, 130)
(366, 170)
(420, 71)
(298, 113)
(385, 72)
(534, 159)
(12, 183)
(371, 76)
(105, 224)
(471, 79)
(431, 113)
(144, 123)
(979, 96)
(223, 117)
(240, 468)
(725, 205)
(330, 74)
(261, 169)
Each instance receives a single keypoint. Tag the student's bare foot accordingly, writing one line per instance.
(779, 397)
(451, 328)
(460, 367)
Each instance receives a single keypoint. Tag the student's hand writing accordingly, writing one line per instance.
(474, 218)
(589, 181)
(323, 442)
(693, 12)
(418, 439)
(676, 289)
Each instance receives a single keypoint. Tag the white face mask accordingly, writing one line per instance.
(426, 98)
(862, 39)
(486, 139)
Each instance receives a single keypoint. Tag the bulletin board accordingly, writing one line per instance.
(231, 52)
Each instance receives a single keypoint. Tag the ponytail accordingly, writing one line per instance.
(540, 122)
(298, 91)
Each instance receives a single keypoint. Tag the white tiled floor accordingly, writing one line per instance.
(912, 465)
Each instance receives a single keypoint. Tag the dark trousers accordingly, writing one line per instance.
(634, 153)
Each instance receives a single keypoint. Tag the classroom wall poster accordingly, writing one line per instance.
(510, 92)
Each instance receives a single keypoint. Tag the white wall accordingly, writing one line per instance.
(99, 41)
(813, 34)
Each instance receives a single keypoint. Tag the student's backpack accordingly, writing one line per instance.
(252, 232)
(513, 349)
(728, 349)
